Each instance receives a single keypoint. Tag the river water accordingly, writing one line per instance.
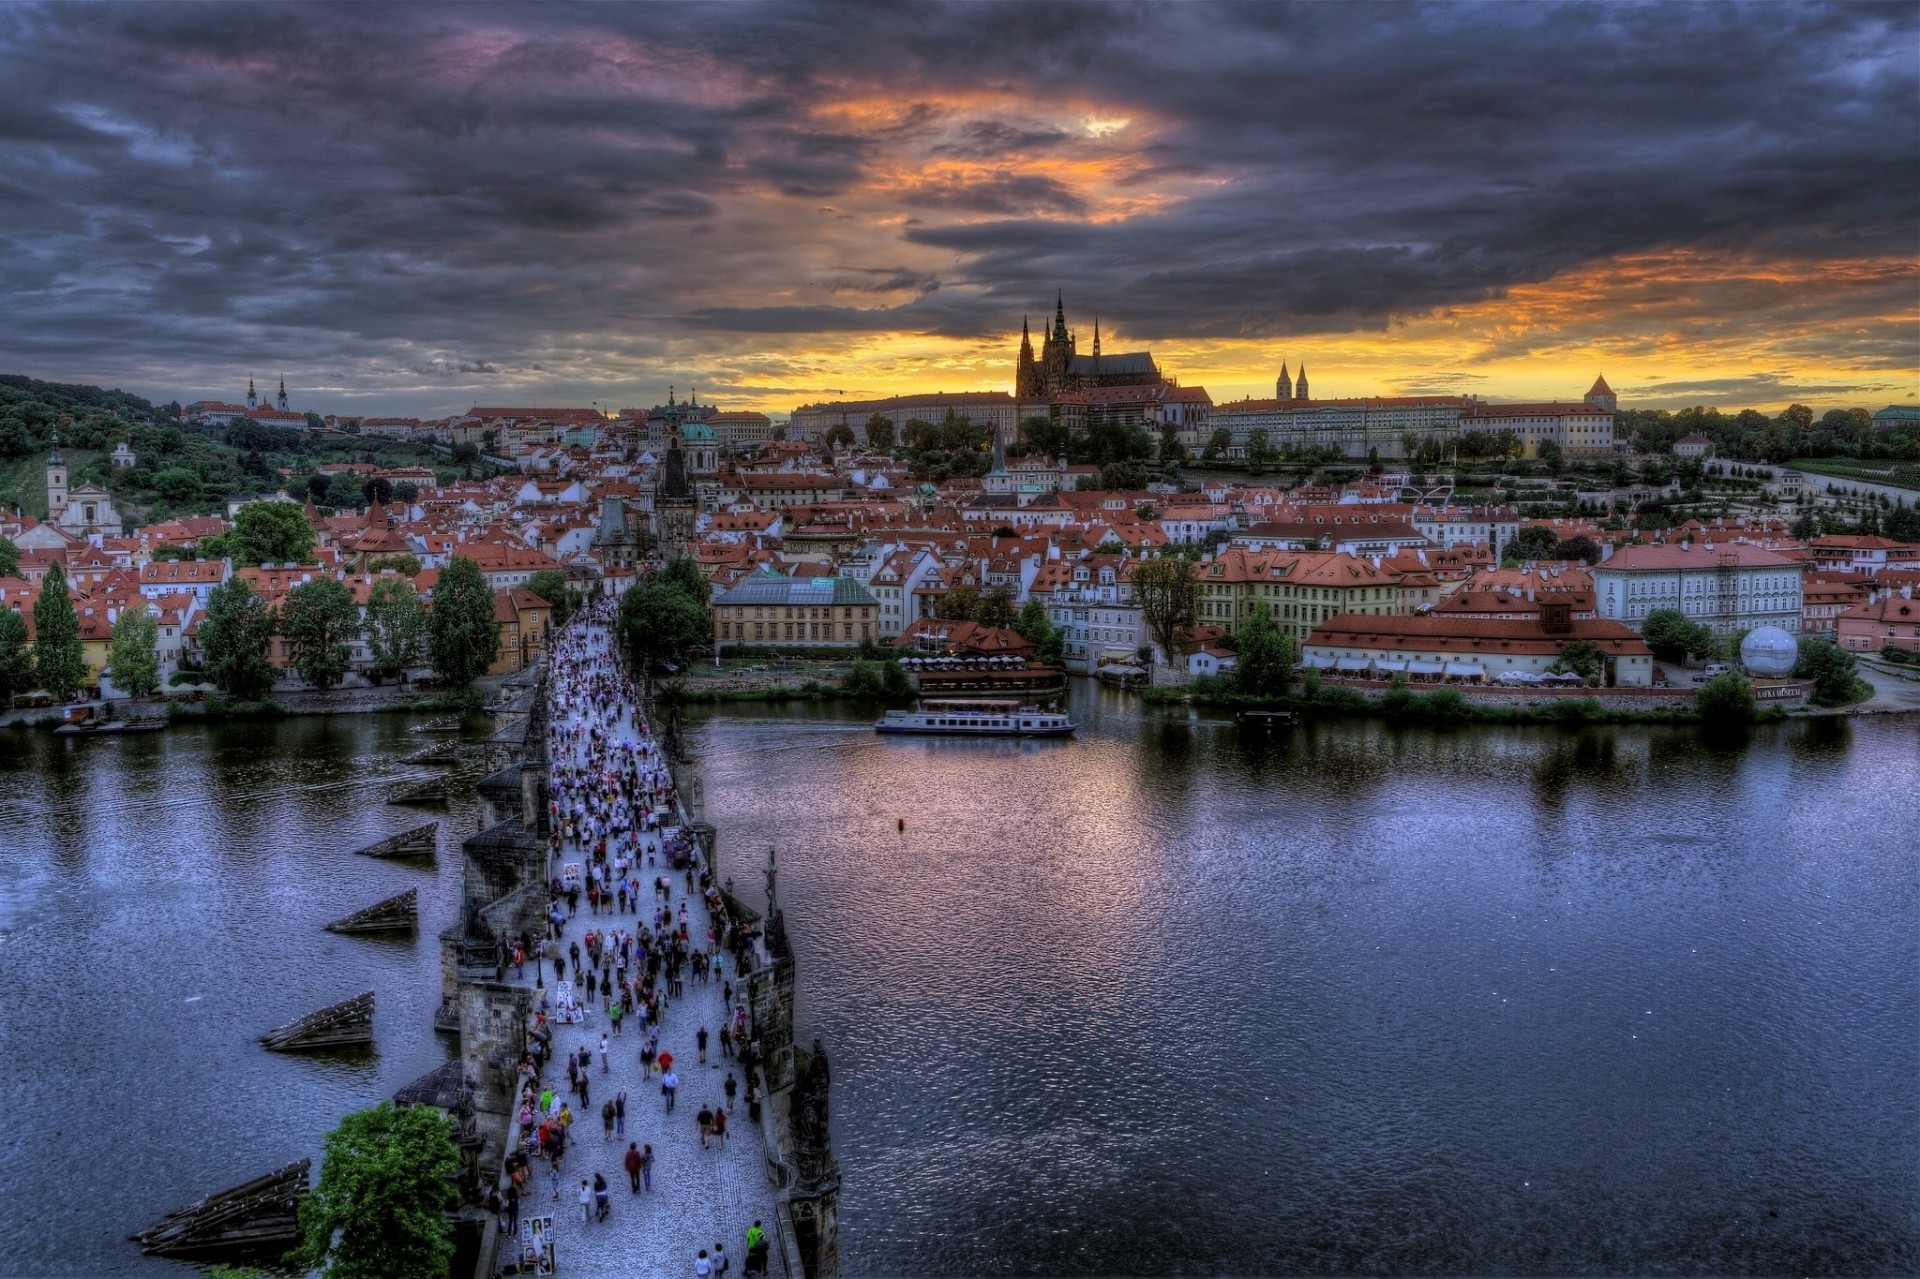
(1175, 998)
(1164, 999)
(161, 903)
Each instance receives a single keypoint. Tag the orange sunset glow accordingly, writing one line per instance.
(778, 210)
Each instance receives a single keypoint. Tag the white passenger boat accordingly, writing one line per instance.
(977, 719)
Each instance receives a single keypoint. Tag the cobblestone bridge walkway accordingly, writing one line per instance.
(699, 1197)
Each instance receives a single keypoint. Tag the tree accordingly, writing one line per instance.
(343, 492)
(1727, 698)
(960, 604)
(1674, 637)
(1834, 672)
(1533, 542)
(1553, 456)
(318, 619)
(234, 633)
(404, 565)
(1169, 600)
(550, 584)
(59, 661)
(465, 454)
(685, 576)
(1585, 659)
(838, 436)
(1123, 476)
(377, 488)
(1582, 548)
(880, 432)
(396, 627)
(661, 623)
(317, 487)
(271, 533)
(996, 607)
(315, 421)
(463, 636)
(406, 491)
(9, 559)
(134, 658)
(1217, 444)
(379, 1208)
(16, 657)
(1049, 641)
(1259, 451)
(1264, 661)
(1045, 434)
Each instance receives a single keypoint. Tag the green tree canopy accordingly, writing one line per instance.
(396, 627)
(1049, 641)
(1674, 637)
(880, 431)
(660, 622)
(16, 657)
(319, 619)
(235, 631)
(379, 1208)
(58, 659)
(959, 604)
(683, 575)
(1533, 542)
(1727, 698)
(271, 533)
(9, 559)
(1264, 659)
(1834, 672)
(405, 565)
(1585, 659)
(996, 607)
(550, 584)
(134, 659)
(463, 636)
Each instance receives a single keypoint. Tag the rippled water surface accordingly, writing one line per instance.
(161, 903)
(1172, 998)
(1165, 999)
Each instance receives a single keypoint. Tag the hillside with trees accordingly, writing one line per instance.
(181, 468)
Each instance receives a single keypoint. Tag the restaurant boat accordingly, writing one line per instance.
(976, 719)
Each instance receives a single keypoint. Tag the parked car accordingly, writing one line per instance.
(1713, 669)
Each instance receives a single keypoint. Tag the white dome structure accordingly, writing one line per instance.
(1769, 652)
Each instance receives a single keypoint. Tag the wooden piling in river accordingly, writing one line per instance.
(260, 1216)
(399, 913)
(338, 1025)
(420, 841)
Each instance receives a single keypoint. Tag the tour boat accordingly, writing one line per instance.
(977, 719)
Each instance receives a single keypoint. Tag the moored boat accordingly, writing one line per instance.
(976, 719)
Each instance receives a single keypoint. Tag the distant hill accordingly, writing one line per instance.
(181, 468)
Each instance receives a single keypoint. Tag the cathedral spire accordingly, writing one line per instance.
(1283, 387)
(253, 401)
(1300, 385)
(1096, 335)
(1059, 317)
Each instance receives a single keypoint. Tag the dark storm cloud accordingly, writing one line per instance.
(191, 188)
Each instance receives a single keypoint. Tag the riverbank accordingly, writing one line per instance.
(1439, 706)
(281, 704)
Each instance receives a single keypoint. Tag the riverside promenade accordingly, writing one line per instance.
(699, 1197)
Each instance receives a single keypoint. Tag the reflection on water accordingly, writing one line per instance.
(161, 903)
(1182, 997)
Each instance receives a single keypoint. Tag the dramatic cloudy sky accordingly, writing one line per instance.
(416, 208)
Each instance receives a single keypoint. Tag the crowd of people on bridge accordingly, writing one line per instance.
(617, 851)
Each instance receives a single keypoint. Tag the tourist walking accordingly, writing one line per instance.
(620, 1112)
(586, 1202)
(669, 1085)
(600, 1205)
(632, 1164)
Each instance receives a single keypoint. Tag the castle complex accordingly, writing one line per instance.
(1061, 369)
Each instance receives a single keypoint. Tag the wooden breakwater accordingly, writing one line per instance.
(340, 1025)
(395, 914)
(420, 841)
(261, 1216)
